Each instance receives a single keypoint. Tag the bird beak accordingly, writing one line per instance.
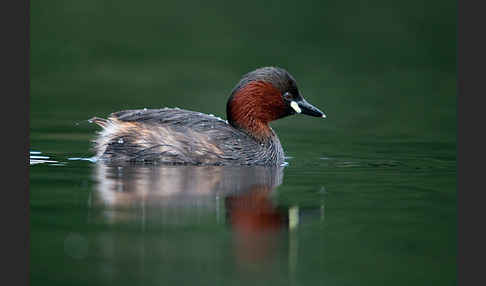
(302, 106)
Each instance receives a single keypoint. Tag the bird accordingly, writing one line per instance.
(177, 136)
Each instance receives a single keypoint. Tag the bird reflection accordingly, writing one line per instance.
(256, 222)
(171, 203)
(253, 212)
(242, 198)
(181, 186)
(240, 195)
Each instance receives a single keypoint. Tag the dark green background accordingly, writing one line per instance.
(384, 72)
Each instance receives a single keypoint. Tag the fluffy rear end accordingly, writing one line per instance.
(147, 142)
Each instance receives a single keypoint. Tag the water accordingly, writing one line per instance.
(341, 221)
(367, 197)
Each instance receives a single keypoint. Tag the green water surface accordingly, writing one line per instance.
(368, 196)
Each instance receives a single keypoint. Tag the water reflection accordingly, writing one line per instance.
(121, 187)
(164, 197)
(241, 196)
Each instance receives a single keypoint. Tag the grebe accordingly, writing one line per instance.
(178, 136)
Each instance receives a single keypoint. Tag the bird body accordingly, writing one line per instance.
(178, 136)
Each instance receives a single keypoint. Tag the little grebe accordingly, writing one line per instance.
(177, 136)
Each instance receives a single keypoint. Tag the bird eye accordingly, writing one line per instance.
(287, 96)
